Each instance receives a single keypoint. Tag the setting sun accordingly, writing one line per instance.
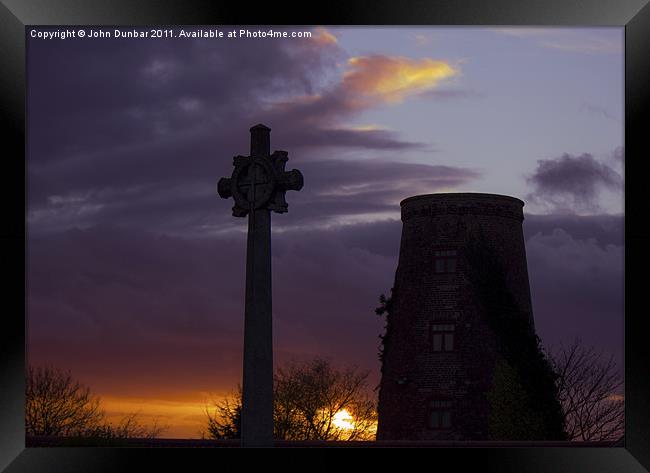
(343, 420)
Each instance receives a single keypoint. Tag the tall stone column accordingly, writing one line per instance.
(258, 185)
(257, 402)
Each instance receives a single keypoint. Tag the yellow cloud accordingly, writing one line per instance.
(322, 36)
(391, 79)
(371, 127)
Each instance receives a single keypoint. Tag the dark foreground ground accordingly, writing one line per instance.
(198, 443)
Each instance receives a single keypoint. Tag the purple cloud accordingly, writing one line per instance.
(572, 182)
(190, 206)
(142, 131)
(151, 304)
(577, 289)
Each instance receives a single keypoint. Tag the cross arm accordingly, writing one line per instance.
(224, 187)
(291, 180)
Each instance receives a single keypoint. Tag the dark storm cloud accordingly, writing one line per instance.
(125, 91)
(368, 81)
(146, 305)
(349, 176)
(137, 112)
(144, 105)
(572, 182)
(336, 188)
(381, 238)
(350, 138)
(339, 189)
(577, 290)
(603, 229)
(142, 130)
(576, 271)
(140, 306)
(373, 182)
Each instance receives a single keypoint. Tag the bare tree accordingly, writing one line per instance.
(225, 422)
(57, 405)
(312, 401)
(590, 391)
(127, 427)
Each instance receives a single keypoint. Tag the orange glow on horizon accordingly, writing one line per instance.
(184, 419)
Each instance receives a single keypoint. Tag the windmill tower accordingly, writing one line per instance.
(440, 350)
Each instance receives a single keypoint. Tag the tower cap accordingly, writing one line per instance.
(448, 196)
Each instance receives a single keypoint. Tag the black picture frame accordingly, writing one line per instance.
(634, 15)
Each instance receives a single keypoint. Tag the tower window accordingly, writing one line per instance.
(440, 415)
(444, 261)
(442, 337)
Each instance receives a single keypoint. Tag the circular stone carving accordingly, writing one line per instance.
(253, 183)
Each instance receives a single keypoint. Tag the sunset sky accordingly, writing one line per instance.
(136, 267)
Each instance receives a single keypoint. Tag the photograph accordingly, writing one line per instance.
(322, 236)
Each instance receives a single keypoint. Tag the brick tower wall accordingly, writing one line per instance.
(430, 391)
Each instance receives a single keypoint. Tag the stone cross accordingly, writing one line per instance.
(258, 185)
